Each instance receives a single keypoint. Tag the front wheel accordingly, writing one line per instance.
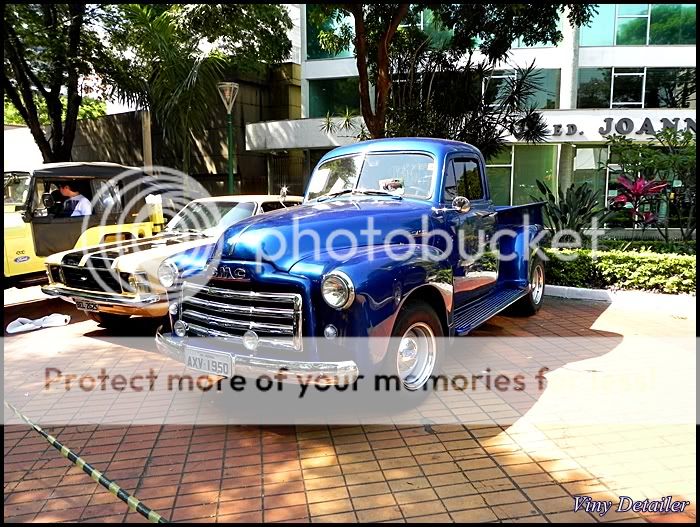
(532, 302)
(416, 347)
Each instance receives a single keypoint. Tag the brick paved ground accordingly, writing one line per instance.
(528, 469)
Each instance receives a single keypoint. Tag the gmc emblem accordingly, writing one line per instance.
(226, 272)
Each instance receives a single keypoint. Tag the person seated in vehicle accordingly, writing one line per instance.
(57, 200)
(75, 204)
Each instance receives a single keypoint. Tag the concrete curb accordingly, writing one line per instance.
(681, 305)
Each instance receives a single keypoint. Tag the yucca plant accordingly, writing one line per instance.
(574, 210)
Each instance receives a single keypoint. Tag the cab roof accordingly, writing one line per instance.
(437, 147)
(83, 169)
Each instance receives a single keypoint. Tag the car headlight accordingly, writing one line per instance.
(337, 290)
(167, 274)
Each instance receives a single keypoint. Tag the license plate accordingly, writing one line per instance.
(210, 362)
(85, 306)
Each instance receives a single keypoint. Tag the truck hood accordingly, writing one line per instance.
(132, 256)
(307, 232)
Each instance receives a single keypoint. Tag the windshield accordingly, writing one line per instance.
(202, 216)
(399, 174)
(16, 188)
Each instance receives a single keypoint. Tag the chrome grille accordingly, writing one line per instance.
(212, 311)
(89, 279)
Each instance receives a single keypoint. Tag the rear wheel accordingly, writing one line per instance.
(108, 320)
(532, 302)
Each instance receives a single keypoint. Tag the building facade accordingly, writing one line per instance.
(630, 72)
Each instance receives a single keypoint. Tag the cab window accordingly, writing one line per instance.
(106, 196)
(40, 189)
(463, 178)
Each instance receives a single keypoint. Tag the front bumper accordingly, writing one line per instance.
(149, 305)
(289, 371)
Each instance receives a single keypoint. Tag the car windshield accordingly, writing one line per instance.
(209, 216)
(397, 174)
(16, 188)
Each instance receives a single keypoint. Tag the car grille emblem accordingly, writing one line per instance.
(226, 272)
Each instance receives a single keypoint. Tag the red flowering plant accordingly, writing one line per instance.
(634, 194)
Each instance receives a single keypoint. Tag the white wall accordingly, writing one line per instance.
(20, 150)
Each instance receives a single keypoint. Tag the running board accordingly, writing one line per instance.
(472, 315)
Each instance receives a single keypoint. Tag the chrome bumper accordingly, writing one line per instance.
(292, 371)
(102, 299)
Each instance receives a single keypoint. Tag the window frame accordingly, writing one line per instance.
(618, 16)
(631, 105)
(464, 156)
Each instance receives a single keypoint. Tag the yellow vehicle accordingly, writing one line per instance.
(35, 226)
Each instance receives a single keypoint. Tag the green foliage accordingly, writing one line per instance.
(443, 98)
(51, 53)
(664, 273)
(169, 75)
(390, 32)
(648, 246)
(347, 122)
(489, 28)
(573, 210)
(89, 109)
(151, 54)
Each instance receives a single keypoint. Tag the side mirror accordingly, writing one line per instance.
(461, 204)
(47, 200)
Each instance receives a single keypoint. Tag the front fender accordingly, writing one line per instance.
(384, 277)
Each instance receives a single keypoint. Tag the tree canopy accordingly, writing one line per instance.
(53, 52)
(463, 28)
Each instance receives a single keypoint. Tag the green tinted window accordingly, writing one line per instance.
(547, 96)
(313, 48)
(590, 168)
(499, 184)
(601, 28)
(333, 96)
(670, 88)
(632, 9)
(672, 24)
(502, 158)
(632, 31)
(531, 163)
(594, 87)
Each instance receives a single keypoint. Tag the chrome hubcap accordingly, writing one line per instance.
(537, 284)
(416, 355)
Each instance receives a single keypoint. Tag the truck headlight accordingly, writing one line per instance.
(337, 290)
(167, 274)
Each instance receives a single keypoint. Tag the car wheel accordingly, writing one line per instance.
(108, 320)
(532, 302)
(416, 350)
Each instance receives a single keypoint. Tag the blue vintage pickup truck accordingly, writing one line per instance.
(396, 245)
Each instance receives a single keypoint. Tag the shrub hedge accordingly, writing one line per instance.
(655, 246)
(664, 273)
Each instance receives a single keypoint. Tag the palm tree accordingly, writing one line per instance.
(166, 71)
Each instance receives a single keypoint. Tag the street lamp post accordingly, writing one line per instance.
(228, 92)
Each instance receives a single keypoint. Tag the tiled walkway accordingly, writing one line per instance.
(525, 470)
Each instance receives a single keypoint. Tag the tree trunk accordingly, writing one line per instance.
(375, 120)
